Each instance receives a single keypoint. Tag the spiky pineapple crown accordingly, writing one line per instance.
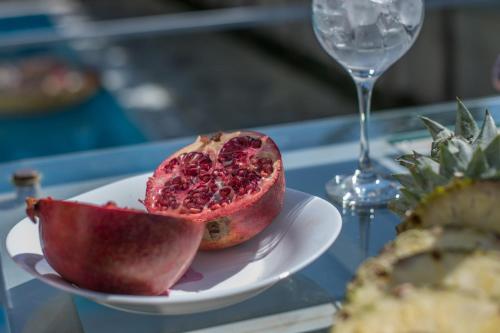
(471, 152)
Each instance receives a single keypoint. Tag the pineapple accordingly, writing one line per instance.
(425, 310)
(458, 182)
(441, 274)
(374, 274)
(474, 272)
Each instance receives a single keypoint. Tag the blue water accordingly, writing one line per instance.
(96, 123)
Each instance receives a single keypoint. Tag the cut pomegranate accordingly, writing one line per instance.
(115, 250)
(232, 181)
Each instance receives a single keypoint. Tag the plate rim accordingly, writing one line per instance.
(196, 297)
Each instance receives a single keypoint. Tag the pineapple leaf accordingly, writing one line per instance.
(424, 174)
(423, 180)
(492, 153)
(432, 179)
(495, 176)
(447, 163)
(478, 165)
(405, 179)
(436, 147)
(425, 162)
(488, 131)
(454, 158)
(407, 160)
(399, 207)
(491, 174)
(465, 125)
(410, 198)
(438, 131)
(410, 161)
(461, 149)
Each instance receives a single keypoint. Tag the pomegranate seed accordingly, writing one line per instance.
(239, 155)
(233, 149)
(194, 163)
(205, 165)
(169, 167)
(191, 171)
(254, 190)
(191, 157)
(264, 160)
(200, 196)
(176, 184)
(214, 206)
(205, 178)
(168, 200)
(239, 142)
(264, 166)
(225, 192)
(256, 143)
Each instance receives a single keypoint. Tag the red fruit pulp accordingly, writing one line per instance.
(115, 250)
(232, 181)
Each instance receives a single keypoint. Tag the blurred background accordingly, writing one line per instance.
(89, 74)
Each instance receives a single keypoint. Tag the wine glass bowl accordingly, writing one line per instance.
(366, 37)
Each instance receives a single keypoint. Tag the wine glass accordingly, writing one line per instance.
(366, 37)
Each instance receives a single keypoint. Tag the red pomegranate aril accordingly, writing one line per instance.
(214, 206)
(237, 143)
(225, 192)
(232, 181)
(232, 150)
(205, 178)
(191, 171)
(177, 184)
(205, 166)
(256, 144)
(168, 200)
(195, 162)
(171, 165)
(219, 173)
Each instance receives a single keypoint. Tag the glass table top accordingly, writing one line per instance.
(304, 302)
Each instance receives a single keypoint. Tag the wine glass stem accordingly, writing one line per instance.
(364, 87)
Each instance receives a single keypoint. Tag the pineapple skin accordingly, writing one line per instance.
(425, 310)
(462, 202)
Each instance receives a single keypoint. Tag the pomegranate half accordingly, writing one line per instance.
(114, 250)
(234, 182)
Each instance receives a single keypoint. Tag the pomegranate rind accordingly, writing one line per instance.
(240, 220)
(115, 250)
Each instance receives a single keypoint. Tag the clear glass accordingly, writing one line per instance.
(366, 37)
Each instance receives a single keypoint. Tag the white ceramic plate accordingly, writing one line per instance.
(304, 230)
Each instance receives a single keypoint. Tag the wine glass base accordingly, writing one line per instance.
(351, 192)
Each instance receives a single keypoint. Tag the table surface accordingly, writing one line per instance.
(313, 152)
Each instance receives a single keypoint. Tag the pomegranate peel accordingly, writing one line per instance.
(234, 182)
(114, 250)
